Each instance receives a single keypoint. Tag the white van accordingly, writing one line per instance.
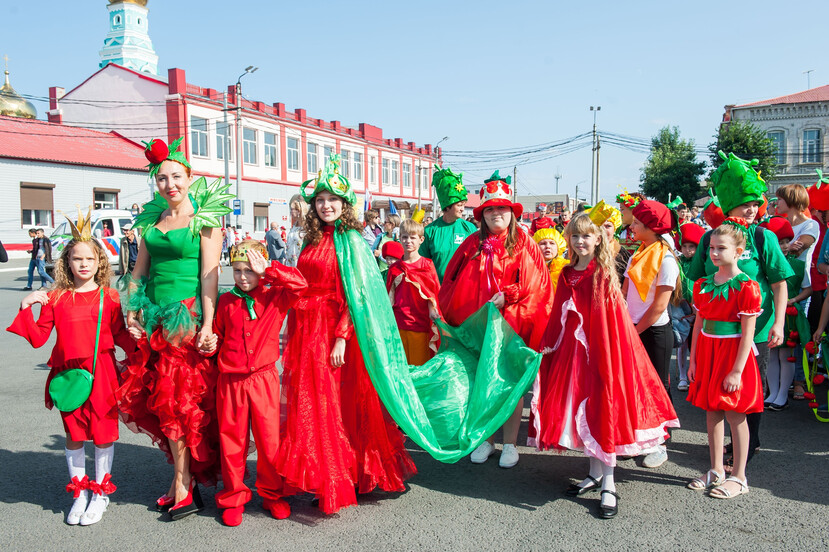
(107, 227)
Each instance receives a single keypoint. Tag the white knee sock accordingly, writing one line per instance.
(608, 484)
(595, 472)
(786, 377)
(681, 362)
(773, 372)
(76, 462)
(103, 461)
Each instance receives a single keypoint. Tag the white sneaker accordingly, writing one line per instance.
(656, 458)
(683, 386)
(78, 508)
(95, 510)
(482, 453)
(509, 456)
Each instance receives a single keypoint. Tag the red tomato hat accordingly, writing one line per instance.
(819, 193)
(392, 249)
(654, 215)
(781, 227)
(690, 233)
(497, 191)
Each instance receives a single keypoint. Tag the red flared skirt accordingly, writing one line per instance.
(715, 359)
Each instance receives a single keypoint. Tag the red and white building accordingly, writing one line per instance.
(280, 148)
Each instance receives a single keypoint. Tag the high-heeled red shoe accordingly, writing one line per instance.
(191, 504)
(164, 503)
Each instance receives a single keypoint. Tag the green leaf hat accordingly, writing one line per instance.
(737, 182)
(330, 180)
(448, 186)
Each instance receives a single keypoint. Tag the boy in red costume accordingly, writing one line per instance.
(247, 395)
(413, 289)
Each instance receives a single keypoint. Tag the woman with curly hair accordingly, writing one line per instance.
(337, 439)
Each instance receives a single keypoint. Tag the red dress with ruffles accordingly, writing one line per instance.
(597, 391)
(717, 350)
(336, 435)
(74, 315)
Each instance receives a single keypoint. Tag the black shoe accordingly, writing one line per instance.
(778, 407)
(27, 288)
(190, 505)
(607, 512)
(575, 490)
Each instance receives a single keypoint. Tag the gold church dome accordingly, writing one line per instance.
(139, 2)
(13, 105)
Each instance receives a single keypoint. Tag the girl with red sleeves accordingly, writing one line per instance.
(337, 439)
(503, 265)
(80, 300)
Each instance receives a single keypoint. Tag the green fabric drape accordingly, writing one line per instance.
(451, 404)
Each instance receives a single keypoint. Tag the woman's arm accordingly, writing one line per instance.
(804, 293)
(778, 290)
(734, 380)
(692, 366)
(211, 249)
(661, 298)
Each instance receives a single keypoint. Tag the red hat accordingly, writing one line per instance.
(690, 233)
(654, 215)
(497, 191)
(781, 227)
(392, 249)
(712, 213)
(819, 193)
(763, 209)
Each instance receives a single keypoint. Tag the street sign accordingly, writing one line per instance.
(277, 200)
(237, 207)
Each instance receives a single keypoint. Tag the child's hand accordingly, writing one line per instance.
(257, 262)
(203, 339)
(790, 302)
(498, 300)
(39, 296)
(135, 329)
(338, 353)
(795, 246)
(433, 312)
(209, 345)
(692, 371)
(818, 335)
(546, 350)
(733, 381)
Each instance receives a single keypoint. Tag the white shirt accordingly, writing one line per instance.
(808, 227)
(668, 273)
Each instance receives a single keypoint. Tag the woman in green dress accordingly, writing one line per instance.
(168, 389)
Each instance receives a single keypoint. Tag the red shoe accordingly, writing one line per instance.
(191, 504)
(164, 503)
(278, 508)
(232, 517)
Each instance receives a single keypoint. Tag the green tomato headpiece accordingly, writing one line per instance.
(330, 180)
(448, 186)
(737, 182)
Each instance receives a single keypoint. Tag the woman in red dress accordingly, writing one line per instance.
(596, 391)
(337, 439)
(502, 264)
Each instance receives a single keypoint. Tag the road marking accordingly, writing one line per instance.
(22, 268)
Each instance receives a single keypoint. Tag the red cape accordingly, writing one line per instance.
(470, 281)
(423, 278)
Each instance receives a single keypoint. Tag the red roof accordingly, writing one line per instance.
(819, 94)
(50, 142)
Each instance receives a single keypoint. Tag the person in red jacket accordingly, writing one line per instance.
(247, 394)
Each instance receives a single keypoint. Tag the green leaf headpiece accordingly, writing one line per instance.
(737, 182)
(330, 180)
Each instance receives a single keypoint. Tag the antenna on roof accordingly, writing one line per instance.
(808, 78)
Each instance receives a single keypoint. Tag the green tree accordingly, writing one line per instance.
(747, 141)
(672, 168)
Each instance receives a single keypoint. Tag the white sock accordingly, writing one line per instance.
(681, 363)
(103, 461)
(786, 377)
(595, 472)
(773, 373)
(608, 484)
(76, 462)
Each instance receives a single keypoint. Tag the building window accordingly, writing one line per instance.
(105, 199)
(249, 146)
(407, 175)
(312, 157)
(811, 146)
(395, 173)
(778, 139)
(198, 136)
(293, 154)
(260, 217)
(372, 169)
(36, 204)
(385, 180)
(358, 166)
(270, 149)
(345, 164)
(224, 141)
(326, 152)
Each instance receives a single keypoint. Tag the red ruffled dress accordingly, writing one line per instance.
(75, 318)
(336, 435)
(597, 391)
(721, 306)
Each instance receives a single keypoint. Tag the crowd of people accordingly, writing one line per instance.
(434, 332)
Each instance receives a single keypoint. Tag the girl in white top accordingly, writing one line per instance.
(793, 203)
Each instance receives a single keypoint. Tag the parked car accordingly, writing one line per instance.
(107, 228)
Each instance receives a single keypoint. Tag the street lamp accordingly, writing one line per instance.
(594, 160)
(249, 69)
(434, 199)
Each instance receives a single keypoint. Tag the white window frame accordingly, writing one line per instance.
(224, 142)
(372, 169)
(780, 154)
(358, 165)
(407, 175)
(105, 202)
(292, 161)
(386, 180)
(395, 173)
(345, 163)
(812, 153)
(271, 150)
(326, 153)
(249, 146)
(199, 137)
(311, 160)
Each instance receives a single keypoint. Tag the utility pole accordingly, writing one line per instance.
(593, 174)
(557, 177)
(598, 150)
(515, 184)
(248, 69)
(226, 145)
(808, 78)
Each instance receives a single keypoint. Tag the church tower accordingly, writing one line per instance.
(128, 43)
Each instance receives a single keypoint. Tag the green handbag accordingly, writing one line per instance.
(71, 388)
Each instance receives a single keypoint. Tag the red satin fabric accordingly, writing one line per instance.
(715, 355)
(597, 391)
(411, 310)
(168, 392)
(336, 435)
(471, 280)
(75, 318)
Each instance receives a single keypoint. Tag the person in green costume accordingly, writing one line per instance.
(443, 237)
(168, 389)
(739, 190)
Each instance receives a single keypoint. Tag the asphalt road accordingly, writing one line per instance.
(447, 507)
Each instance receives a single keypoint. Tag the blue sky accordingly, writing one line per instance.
(493, 76)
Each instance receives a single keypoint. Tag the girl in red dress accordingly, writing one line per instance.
(725, 380)
(82, 276)
(597, 391)
(337, 439)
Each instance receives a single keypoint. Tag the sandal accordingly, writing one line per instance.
(712, 479)
(798, 391)
(725, 494)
